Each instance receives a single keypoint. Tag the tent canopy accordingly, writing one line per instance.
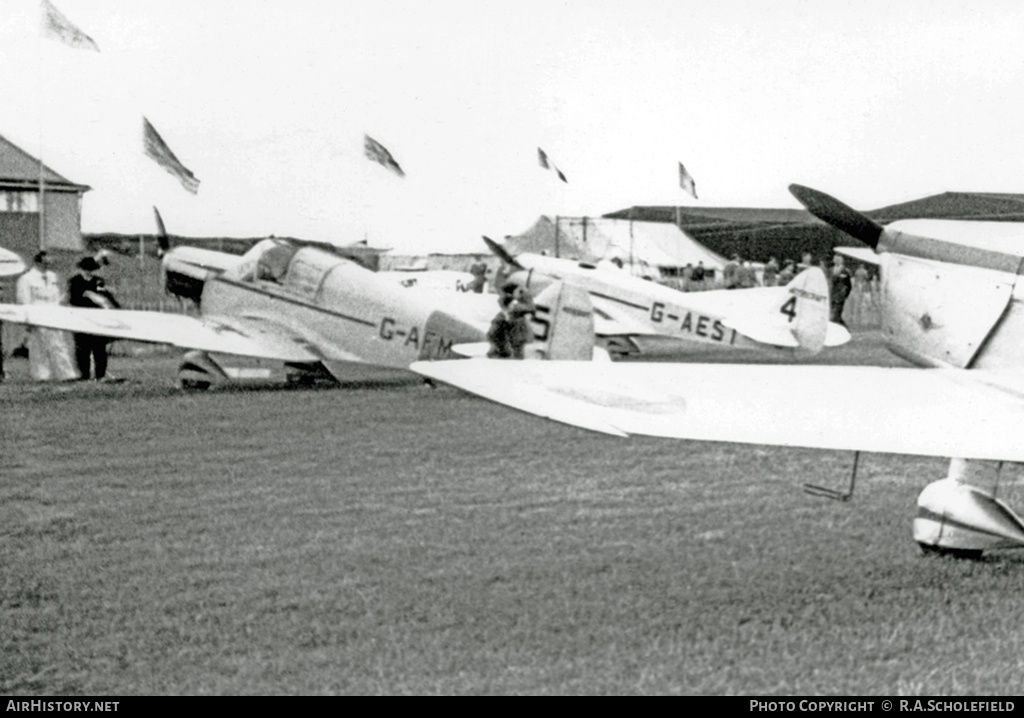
(662, 247)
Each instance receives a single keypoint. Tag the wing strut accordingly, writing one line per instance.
(835, 493)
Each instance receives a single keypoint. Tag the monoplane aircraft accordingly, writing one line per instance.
(953, 307)
(310, 310)
(638, 318)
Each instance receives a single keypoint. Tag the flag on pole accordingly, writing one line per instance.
(543, 161)
(379, 153)
(686, 181)
(57, 27)
(158, 151)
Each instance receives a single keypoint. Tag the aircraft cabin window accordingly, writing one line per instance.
(273, 263)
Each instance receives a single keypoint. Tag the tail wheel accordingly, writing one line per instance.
(194, 385)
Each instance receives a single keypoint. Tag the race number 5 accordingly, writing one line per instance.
(541, 323)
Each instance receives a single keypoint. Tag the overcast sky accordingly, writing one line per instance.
(267, 102)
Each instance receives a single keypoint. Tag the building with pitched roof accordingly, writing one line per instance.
(28, 186)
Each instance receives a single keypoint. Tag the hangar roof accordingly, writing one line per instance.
(758, 233)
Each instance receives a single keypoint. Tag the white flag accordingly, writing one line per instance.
(57, 27)
(377, 152)
(686, 181)
(543, 161)
(157, 150)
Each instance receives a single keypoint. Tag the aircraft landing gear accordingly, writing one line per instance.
(198, 371)
(957, 519)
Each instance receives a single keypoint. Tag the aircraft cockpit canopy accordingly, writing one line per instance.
(298, 271)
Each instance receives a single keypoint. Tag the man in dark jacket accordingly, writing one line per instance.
(87, 289)
(842, 284)
(510, 330)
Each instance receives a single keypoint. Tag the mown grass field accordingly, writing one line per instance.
(390, 538)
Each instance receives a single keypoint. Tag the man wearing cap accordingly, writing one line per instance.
(510, 330)
(49, 356)
(87, 289)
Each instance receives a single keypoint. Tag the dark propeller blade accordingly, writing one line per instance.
(162, 242)
(830, 210)
(502, 253)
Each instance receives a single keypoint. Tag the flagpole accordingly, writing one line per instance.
(631, 253)
(40, 74)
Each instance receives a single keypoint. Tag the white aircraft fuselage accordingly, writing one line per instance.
(660, 319)
(338, 308)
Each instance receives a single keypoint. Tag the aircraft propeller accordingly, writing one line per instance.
(502, 253)
(841, 216)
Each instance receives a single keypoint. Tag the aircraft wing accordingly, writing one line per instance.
(244, 336)
(10, 263)
(975, 414)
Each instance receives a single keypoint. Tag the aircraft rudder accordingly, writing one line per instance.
(807, 307)
(563, 324)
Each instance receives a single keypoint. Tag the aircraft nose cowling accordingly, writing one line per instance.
(442, 331)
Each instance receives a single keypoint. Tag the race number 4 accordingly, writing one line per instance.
(789, 308)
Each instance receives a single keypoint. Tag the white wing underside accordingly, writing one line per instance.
(10, 263)
(932, 412)
(244, 336)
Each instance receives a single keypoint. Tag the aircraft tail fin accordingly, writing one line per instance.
(563, 324)
(792, 317)
(807, 307)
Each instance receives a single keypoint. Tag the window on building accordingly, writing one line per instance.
(13, 200)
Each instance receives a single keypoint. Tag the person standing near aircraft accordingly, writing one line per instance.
(746, 276)
(49, 355)
(771, 272)
(730, 272)
(479, 282)
(87, 289)
(698, 277)
(786, 274)
(842, 284)
(510, 329)
(859, 295)
(521, 310)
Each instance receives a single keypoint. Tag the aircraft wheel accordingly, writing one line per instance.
(194, 385)
(971, 554)
(299, 379)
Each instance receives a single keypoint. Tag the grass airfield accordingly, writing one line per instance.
(390, 538)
